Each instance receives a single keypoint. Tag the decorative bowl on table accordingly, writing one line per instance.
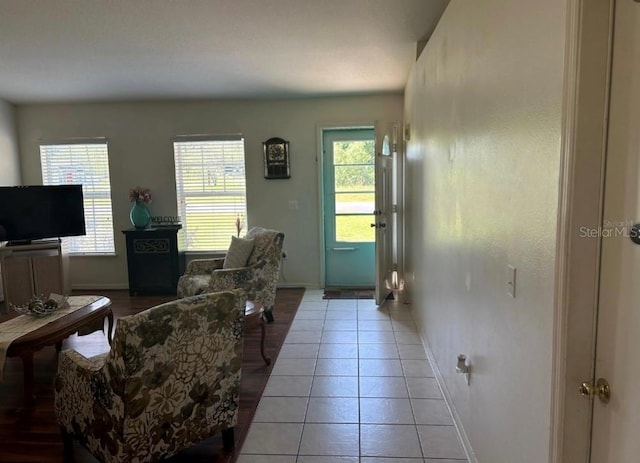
(41, 306)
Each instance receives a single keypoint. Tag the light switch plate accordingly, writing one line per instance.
(511, 281)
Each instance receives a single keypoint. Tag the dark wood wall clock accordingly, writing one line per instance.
(276, 158)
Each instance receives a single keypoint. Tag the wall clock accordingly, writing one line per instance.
(276, 158)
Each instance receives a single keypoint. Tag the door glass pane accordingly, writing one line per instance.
(358, 203)
(355, 228)
(353, 152)
(354, 178)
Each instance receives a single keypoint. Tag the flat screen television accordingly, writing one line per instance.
(40, 211)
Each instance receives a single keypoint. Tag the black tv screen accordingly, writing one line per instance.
(41, 211)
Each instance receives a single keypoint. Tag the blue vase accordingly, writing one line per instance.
(140, 215)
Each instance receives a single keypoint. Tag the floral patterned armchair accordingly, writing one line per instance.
(259, 278)
(171, 379)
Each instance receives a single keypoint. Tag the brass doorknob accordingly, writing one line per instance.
(601, 389)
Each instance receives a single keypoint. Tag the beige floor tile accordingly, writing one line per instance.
(412, 352)
(339, 315)
(385, 411)
(340, 325)
(306, 325)
(407, 337)
(404, 325)
(374, 325)
(293, 367)
(288, 386)
(342, 304)
(273, 439)
(311, 315)
(389, 441)
(373, 314)
(378, 351)
(333, 410)
(333, 459)
(313, 305)
(338, 351)
(299, 351)
(339, 337)
(440, 460)
(400, 314)
(431, 411)
(380, 367)
(281, 410)
(306, 337)
(390, 460)
(266, 459)
(330, 439)
(376, 337)
(423, 388)
(368, 304)
(440, 442)
(336, 367)
(383, 386)
(417, 368)
(334, 386)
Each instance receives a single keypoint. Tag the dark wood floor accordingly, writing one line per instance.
(33, 436)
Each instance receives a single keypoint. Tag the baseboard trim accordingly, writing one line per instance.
(88, 287)
(448, 400)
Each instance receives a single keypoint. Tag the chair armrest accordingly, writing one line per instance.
(80, 382)
(204, 266)
(231, 278)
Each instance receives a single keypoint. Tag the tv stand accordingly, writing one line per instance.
(19, 243)
(39, 268)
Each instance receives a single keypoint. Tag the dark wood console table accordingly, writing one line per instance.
(153, 260)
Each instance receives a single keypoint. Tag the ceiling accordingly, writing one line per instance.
(117, 50)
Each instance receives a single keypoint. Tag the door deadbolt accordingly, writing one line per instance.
(601, 389)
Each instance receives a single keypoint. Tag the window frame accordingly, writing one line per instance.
(210, 169)
(89, 193)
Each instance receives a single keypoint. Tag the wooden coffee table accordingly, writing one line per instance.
(253, 314)
(53, 334)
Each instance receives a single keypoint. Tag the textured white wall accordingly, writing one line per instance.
(9, 160)
(141, 153)
(484, 104)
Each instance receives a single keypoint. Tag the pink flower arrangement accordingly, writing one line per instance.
(139, 194)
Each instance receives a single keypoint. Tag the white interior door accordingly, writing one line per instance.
(616, 424)
(386, 149)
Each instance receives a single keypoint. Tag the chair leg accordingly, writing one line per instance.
(228, 440)
(268, 316)
(266, 359)
(67, 442)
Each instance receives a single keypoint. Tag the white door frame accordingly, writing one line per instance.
(581, 193)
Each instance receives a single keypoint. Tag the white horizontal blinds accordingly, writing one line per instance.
(211, 189)
(86, 163)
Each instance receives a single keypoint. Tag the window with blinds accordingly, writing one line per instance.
(87, 163)
(211, 190)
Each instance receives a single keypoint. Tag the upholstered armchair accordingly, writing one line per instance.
(258, 278)
(171, 379)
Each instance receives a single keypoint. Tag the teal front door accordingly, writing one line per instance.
(349, 202)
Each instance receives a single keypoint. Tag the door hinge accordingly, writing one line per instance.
(394, 208)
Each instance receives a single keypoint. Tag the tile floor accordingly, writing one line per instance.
(352, 384)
